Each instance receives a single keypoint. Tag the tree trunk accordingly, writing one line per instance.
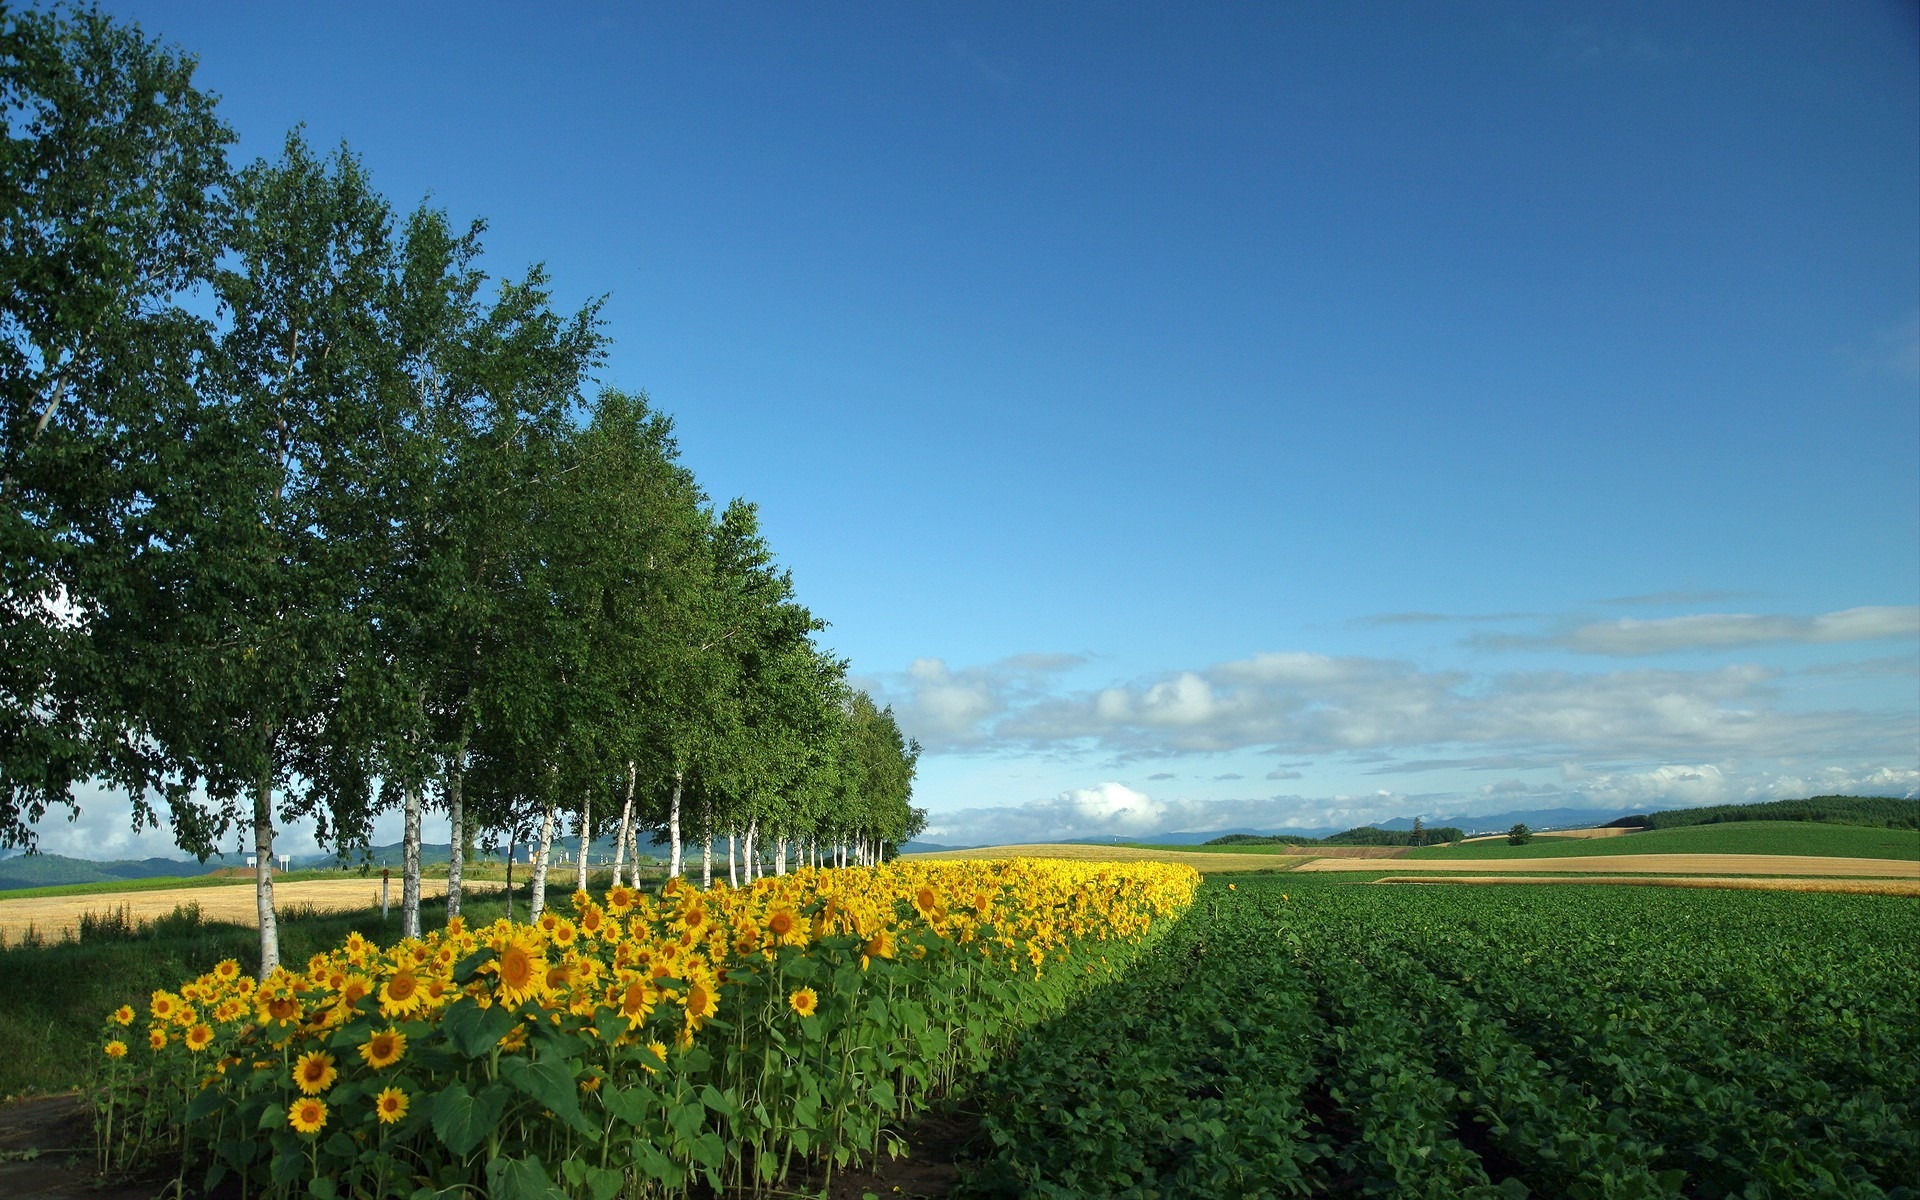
(410, 865)
(707, 847)
(780, 856)
(537, 902)
(673, 829)
(753, 829)
(733, 879)
(626, 827)
(457, 821)
(263, 869)
(586, 840)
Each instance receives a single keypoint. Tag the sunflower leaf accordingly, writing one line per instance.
(474, 1031)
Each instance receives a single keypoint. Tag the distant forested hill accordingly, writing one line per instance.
(1365, 835)
(50, 870)
(1878, 812)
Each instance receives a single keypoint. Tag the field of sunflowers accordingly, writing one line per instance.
(646, 1045)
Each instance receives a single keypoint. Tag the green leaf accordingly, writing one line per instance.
(603, 1184)
(549, 1081)
(462, 1120)
(475, 1031)
(520, 1179)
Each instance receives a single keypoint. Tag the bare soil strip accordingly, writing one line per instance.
(52, 917)
(1877, 887)
(1648, 864)
(1207, 862)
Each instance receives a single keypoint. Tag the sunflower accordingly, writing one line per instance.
(620, 899)
(925, 900)
(278, 1007)
(157, 1038)
(390, 1105)
(784, 928)
(634, 999)
(806, 1001)
(400, 995)
(227, 970)
(199, 1038)
(880, 945)
(123, 1015)
(702, 1000)
(308, 1115)
(163, 1005)
(659, 1051)
(384, 1049)
(116, 1049)
(520, 972)
(315, 1072)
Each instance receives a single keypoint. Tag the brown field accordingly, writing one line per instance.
(1649, 864)
(55, 916)
(1208, 861)
(1877, 887)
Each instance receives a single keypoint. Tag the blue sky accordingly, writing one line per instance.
(1205, 416)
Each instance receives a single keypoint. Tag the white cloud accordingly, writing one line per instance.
(952, 710)
(1628, 637)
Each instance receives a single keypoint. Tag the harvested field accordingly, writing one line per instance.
(1651, 864)
(55, 916)
(1206, 862)
(1864, 887)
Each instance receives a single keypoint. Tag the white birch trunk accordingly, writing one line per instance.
(752, 850)
(733, 877)
(626, 827)
(673, 829)
(537, 902)
(457, 819)
(780, 856)
(263, 871)
(410, 865)
(586, 840)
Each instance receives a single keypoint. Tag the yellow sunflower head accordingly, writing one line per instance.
(199, 1038)
(308, 1115)
(116, 1049)
(314, 1072)
(806, 1001)
(390, 1105)
(401, 994)
(384, 1048)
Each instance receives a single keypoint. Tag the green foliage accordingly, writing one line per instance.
(1295, 1036)
(1879, 811)
(1364, 835)
(1519, 835)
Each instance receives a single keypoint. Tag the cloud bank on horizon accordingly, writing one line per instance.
(1170, 751)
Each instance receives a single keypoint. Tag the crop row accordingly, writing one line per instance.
(640, 1047)
(1304, 1038)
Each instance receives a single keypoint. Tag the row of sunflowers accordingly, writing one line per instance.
(644, 1045)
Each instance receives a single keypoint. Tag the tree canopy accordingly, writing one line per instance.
(307, 516)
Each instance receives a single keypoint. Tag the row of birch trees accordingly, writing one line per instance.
(302, 515)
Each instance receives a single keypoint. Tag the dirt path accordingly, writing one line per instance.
(1874, 887)
(1652, 864)
(52, 916)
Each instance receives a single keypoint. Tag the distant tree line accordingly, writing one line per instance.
(1364, 835)
(305, 516)
(1878, 812)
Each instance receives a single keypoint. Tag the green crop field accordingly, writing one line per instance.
(1744, 837)
(1306, 1038)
